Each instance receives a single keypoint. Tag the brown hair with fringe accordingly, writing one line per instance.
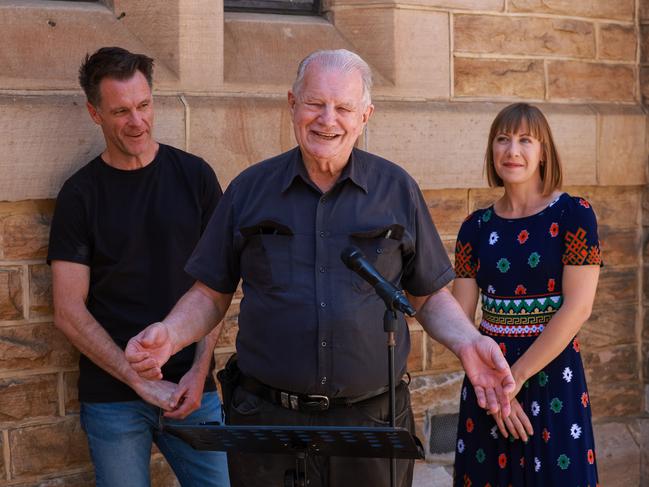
(509, 121)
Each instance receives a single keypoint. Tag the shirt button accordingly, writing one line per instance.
(379, 250)
(323, 304)
(323, 380)
(323, 234)
(323, 200)
(323, 269)
(324, 343)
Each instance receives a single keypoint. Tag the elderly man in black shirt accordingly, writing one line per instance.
(308, 325)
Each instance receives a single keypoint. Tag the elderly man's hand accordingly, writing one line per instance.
(489, 373)
(149, 350)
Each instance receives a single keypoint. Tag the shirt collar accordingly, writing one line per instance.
(355, 170)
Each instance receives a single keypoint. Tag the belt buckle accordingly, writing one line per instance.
(315, 402)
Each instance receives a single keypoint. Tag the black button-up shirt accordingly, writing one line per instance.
(308, 324)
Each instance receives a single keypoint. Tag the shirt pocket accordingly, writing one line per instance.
(266, 256)
(382, 247)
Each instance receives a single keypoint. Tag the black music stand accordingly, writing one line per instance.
(302, 441)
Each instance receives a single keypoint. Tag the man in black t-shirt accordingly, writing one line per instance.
(123, 228)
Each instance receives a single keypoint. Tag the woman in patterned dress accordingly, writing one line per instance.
(533, 260)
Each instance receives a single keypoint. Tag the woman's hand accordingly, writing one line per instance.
(517, 423)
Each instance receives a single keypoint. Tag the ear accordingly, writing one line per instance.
(368, 113)
(93, 113)
(291, 101)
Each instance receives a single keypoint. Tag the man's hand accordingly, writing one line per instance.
(188, 395)
(149, 350)
(157, 392)
(489, 373)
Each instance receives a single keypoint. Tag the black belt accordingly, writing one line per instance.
(302, 402)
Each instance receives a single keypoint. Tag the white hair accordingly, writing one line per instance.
(340, 59)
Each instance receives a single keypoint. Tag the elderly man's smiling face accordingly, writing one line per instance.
(328, 116)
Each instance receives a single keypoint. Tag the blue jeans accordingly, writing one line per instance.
(120, 435)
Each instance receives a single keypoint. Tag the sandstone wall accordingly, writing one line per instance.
(443, 69)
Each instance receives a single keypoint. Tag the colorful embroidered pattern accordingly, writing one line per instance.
(463, 267)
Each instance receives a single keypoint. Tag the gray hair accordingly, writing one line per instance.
(340, 59)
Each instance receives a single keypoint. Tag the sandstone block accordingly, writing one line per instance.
(28, 397)
(644, 44)
(619, 247)
(615, 399)
(11, 293)
(622, 147)
(483, 197)
(448, 208)
(441, 145)
(29, 347)
(609, 325)
(48, 448)
(57, 129)
(40, 291)
(3, 470)
(617, 285)
(643, 13)
(574, 80)
(640, 431)
(620, 10)
(161, 473)
(523, 35)
(265, 50)
(24, 229)
(382, 35)
(440, 359)
(618, 457)
(83, 479)
(416, 356)
(232, 134)
(482, 5)
(436, 394)
(499, 78)
(644, 84)
(615, 206)
(617, 363)
(617, 42)
(71, 392)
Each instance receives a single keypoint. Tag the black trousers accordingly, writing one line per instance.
(259, 470)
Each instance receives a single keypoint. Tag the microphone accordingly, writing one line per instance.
(393, 297)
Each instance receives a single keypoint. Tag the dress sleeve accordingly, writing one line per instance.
(581, 242)
(466, 258)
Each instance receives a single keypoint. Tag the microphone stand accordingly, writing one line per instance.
(390, 327)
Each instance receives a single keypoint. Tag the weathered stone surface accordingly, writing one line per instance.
(621, 9)
(71, 392)
(644, 44)
(448, 208)
(439, 144)
(161, 473)
(83, 479)
(622, 147)
(644, 84)
(617, 285)
(617, 363)
(3, 470)
(40, 291)
(382, 35)
(574, 80)
(416, 356)
(640, 431)
(619, 247)
(523, 35)
(499, 78)
(482, 5)
(615, 207)
(483, 197)
(429, 475)
(278, 43)
(29, 347)
(617, 42)
(439, 358)
(11, 293)
(615, 399)
(608, 325)
(48, 448)
(643, 13)
(28, 397)
(24, 229)
(618, 457)
(232, 134)
(46, 138)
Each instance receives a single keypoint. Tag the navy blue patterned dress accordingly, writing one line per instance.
(518, 265)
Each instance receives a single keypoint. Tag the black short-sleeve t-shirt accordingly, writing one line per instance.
(135, 230)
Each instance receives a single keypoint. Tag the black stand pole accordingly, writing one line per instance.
(390, 327)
